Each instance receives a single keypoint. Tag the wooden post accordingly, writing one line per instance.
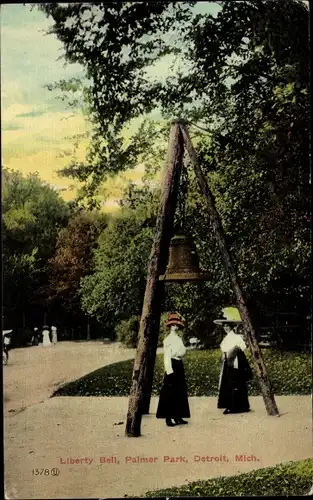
(261, 371)
(151, 311)
(151, 356)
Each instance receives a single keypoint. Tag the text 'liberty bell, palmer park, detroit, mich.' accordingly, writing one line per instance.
(115, 459)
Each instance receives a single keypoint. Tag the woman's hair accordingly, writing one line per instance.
(179, 327)
(228, 326)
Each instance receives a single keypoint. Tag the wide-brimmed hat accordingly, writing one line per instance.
(231, 317)
(174, 319)
(6, 332)
(226, 322)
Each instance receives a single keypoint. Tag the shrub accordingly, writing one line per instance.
(127, 331)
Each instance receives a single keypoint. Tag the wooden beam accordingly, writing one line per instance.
(150, 319)
(256, 355)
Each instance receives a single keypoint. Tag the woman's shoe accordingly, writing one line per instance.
(169, 422)
(180, 421)
(225, 412)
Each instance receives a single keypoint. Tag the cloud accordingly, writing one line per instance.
(30, 114)
(10, 112)
(12, 126)
(29, 57)
(45, 163)
(37, 127)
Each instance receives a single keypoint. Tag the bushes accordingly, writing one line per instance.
(127, 331)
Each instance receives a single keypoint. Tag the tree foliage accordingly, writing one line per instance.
(115, 288)
(72, 259)
(115, 43)
(241, 78)
(32, 215)
(228, 61)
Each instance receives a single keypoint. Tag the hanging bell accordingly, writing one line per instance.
(183, 263)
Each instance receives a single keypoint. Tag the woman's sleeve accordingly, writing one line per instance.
(168, 360)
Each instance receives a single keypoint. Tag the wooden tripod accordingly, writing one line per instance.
(141, 389)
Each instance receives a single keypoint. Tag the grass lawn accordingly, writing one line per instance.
(289, 372)
(290, 479)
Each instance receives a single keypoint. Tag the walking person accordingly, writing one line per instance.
(46, 336)
(173, 403)
(33, 339)
(54, 335)
(5, 346)
(236, 371)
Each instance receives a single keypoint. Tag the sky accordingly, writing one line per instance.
(37, 128)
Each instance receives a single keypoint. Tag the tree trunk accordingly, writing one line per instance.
(150, 319)
(151, 356)
(260, 368)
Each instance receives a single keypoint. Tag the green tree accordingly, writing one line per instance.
(32, 215)
(116, 286)
(242, 78)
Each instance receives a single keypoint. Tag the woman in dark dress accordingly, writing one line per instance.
(173, 402)
(236, 371)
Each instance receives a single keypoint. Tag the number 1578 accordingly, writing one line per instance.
(41, 472)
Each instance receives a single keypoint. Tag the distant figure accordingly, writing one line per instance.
(54, 334)
(46, 336)
(5, 346)
(34, 337)
(194, 342)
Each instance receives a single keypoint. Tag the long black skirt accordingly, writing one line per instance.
(173, 402)
(233, 393)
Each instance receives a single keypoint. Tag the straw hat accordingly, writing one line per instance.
(231, 316)
(174, 319)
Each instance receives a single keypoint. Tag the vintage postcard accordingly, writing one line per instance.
(156, 249)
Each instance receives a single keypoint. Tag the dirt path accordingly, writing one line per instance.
(60, 430)
(34, 373)
(52, 433)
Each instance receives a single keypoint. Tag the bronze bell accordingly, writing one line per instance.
(183, 263)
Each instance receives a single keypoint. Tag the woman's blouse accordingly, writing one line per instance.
(173, 349)
(230, 342)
